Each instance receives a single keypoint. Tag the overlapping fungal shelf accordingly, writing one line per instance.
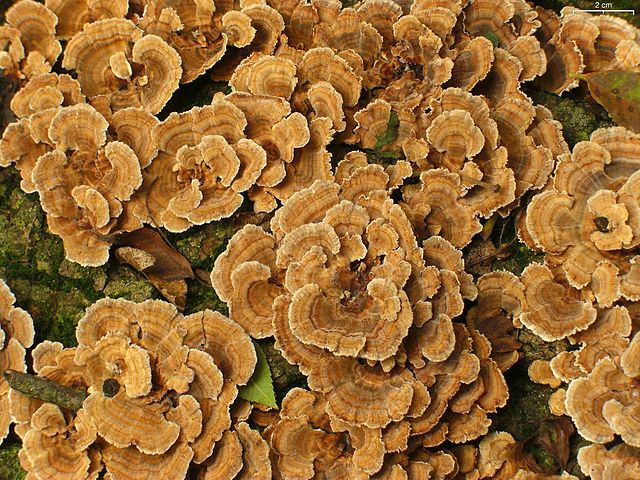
(375, 142)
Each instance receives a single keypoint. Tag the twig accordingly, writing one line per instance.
(46, 390)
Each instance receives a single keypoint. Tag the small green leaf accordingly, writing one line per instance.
(260, 387)
(390, 133)
(493, 38)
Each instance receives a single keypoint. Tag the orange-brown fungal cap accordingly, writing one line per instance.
(601, 463)
(442, 254)
(12, 49)
(73, 15)
(133, 126)
(540, 372)
(327, 102)
(218, 336)
(130, 462)
(493, 452)
(456, 144)
(16, 335)
(439, 18)
(226, 460)
(83, 203)
(591, 205)
(37, 27)
(299, 446)
(265, 75)
(237, 27)
(190, 29)
(382, 397)
(54, 448)
(279, 132)
(321, 64)
(249, 256)
(44, 92)
(472, 64)
(629, 359)
(531, 163)
(563, 63)
(202, 165)
(136, 354)
(255, 454)
(597, 402)
(103, 54)
(35, 104)
(552, 310)
(349, 32)
(433, 208)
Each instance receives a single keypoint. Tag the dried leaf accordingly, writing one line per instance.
(556, 439)
(619, 93)
(173, 290)
(169, 265)
(487, 228)
(260, 386)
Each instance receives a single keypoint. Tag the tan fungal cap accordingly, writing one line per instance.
(552, 312)
(16, 335)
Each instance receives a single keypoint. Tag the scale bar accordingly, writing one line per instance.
(632, 12)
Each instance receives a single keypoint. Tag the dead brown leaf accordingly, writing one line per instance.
(173, 290)
(555, 438)
(619, 93)
(168, 265)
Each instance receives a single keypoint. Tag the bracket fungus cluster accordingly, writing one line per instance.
(377, 141)
(16, 335)
(159, 387)
(366, 314)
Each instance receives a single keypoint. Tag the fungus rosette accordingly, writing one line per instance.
(160, 386)
(28, 44)
(87, 182)
(588, 222)
(16, 335)
(351, 298)
(601, 374)
(117, 63)
(34, 105)
(204, 162)
(619, 461)
(190, 28)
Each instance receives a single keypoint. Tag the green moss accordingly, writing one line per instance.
(94, 277)
(579, 117)
(284, 375)
(10, 468)
(519, 257)
(202, 245)
(126, 283)
(526, 415)
(201, 297)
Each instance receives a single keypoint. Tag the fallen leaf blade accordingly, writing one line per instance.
(259, 389)
(390, 133)
(169, 264)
